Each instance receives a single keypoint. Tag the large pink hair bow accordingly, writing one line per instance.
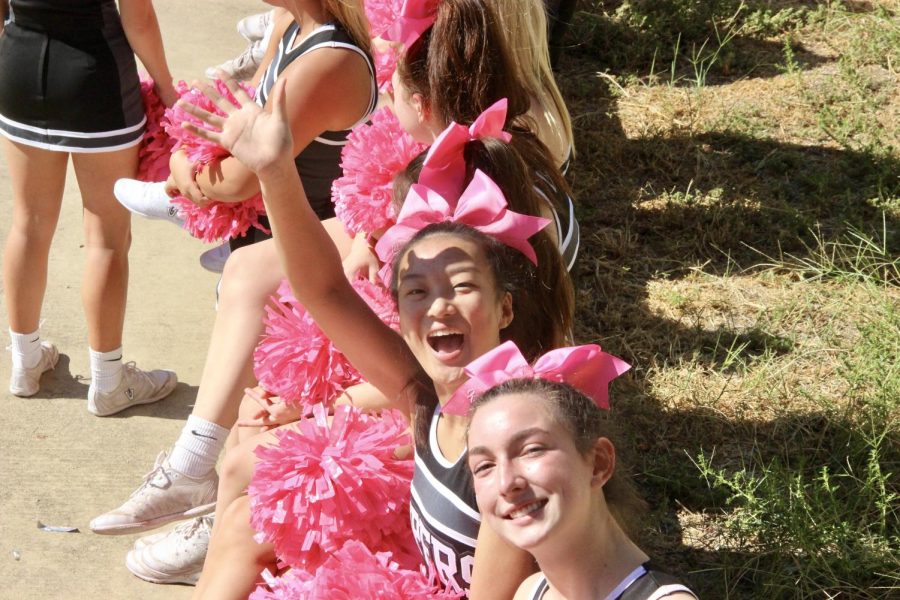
(415, 17)
(586, 368)
(481, 206)
(444, 168)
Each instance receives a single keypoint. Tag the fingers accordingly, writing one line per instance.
(277, 95)
(236, 90)
(171, 187)
(204, 115)
(202, 132)
(257, 393)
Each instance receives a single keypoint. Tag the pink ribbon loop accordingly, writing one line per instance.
(586, 368)
(445, 167)
(481, 206)
(415, 17)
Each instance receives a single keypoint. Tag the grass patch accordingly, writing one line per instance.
(856, 257)
(738, 181)
(823, 515)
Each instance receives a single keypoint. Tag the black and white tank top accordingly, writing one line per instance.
(443, 513)
(319, 164)
(567, 230)
(640, 584)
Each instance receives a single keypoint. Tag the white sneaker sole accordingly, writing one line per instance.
(139, 526)
(141, 571)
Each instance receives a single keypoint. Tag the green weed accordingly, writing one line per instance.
(855, 257)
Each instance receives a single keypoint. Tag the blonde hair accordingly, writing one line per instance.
(350, 14)
(524, 25)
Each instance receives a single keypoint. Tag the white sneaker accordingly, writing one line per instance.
(24, 381)
(243, 66)
(214, 259)
(137, 387)
(173, 557)
(147, 200)
(165, 495)
(253, 28)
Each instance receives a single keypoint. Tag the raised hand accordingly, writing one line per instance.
(258, 138)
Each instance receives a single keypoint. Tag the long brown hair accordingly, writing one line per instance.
(351, 15)
(461, 65)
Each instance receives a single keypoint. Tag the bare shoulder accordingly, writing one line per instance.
(527, 587)
(336, 82)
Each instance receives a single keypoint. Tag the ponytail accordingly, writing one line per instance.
(461, 65)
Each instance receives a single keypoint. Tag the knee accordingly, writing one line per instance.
(237, 466)
(240, 281)
(36, 230)
(109, 238)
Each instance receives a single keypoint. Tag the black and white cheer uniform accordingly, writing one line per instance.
(641, 584)
(68, 79)
(319, 164)
(443, 513)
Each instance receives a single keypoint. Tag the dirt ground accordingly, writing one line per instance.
(59, 464)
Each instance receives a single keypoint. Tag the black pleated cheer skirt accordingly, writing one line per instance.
(67, 88)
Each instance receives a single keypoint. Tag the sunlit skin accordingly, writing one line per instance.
(538, 492)
(413, 113)
(532, 484)
(450, 310)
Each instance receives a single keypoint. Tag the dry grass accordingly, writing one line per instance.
(741, 250)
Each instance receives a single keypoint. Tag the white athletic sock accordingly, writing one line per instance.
(106, 369)
(198, 447)
(25, 348)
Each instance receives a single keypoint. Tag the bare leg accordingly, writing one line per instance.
(251, 276)
(237, 470)
(37, 177)
(107, 232)
(234, 560)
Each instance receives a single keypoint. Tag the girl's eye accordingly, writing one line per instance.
(464, 285)
(481, 468)
(413, 292)
(533, 449)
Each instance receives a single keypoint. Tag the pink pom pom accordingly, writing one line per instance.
(216, 220)
(385, 65)
(156, 146)
(362, 196)
(326, 483)
(381, 15)
(352, 573)
(296, 584)
(221, 220)
(297, 361)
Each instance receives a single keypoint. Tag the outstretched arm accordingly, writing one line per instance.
(142, 30)
(262, 141)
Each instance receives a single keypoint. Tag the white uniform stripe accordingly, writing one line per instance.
(63, 148)
(445, 492)
(73, 134)
(436, 524)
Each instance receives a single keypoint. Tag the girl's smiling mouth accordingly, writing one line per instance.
(526, 509)
(446, 343)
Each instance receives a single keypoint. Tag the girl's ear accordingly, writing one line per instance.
(506, 311)
(423, 113)
(604, 461)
